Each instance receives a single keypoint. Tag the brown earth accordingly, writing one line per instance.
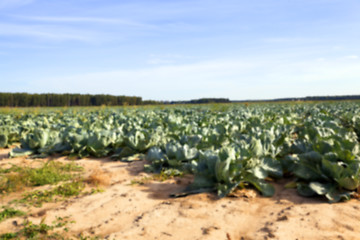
(133, 211)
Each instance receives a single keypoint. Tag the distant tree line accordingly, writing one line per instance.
(60, 100)
(332, 98)
(202, 101)
(210, 100)
(319, 98)
(312, 98)
(66, 99)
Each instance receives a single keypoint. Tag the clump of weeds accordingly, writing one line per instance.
(37, 198)
(9, 212)
(29, 230)
(17, 178)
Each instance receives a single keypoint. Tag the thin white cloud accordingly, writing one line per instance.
(290, 39)
(65, 28)
(55, 33)
(236, 79)
(158, 59)
(14, 3)
(352, 57)
(76, 19)
(155, 83)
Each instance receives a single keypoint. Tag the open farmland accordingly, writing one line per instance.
(268, 156)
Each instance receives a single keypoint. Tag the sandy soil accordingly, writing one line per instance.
(128, 211)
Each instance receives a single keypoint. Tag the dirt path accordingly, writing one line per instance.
(128, 211)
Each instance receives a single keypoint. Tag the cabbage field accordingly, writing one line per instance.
(314, 146)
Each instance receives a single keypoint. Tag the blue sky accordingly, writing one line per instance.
(181, 49)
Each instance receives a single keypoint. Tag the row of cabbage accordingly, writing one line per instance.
(317, 145)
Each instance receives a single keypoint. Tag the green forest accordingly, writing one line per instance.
(67, 100)
(62, 100)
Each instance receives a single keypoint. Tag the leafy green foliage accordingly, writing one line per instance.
(224, 147)
(37, 198)
(8, 212)
(16, 178)
(29, 230)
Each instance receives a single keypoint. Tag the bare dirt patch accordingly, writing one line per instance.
(129, 210)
